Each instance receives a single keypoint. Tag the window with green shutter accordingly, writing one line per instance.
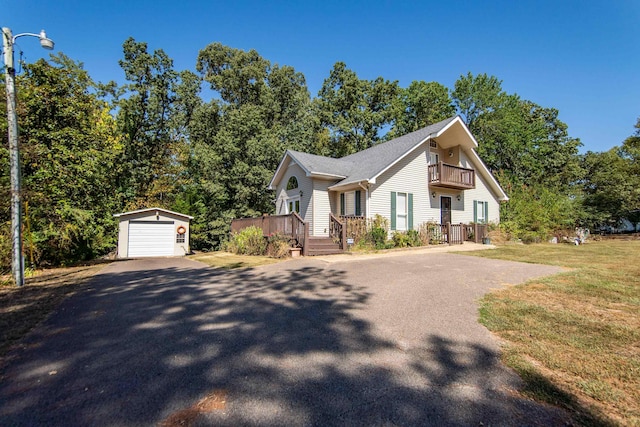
(480, 211)
(401, 211)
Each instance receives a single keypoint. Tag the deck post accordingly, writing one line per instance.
(305, 246)
(343, 238)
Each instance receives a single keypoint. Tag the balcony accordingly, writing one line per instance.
(449, 176)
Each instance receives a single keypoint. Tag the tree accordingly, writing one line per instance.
(354, 110)
(238, 139)
(145, 119)
(612, 183)
(474, 96)
(69, 147)
(420, 105)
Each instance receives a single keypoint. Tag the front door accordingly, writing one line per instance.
(445, 210)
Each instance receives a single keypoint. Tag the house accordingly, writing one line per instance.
(152, 232)
(431, 175)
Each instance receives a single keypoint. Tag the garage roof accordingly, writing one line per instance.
(151, 210)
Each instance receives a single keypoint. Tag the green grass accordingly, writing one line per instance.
(231, 261)
(574, 337)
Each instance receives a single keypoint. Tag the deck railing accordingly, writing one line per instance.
(445, 175)
(338, 231)
(291, 225)
(356, 226)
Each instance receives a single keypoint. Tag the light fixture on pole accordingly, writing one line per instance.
(8, 40)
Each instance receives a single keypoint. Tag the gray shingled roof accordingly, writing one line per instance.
(321, 165)
(366, 164)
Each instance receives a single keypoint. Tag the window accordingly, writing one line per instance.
(480, 211)
(292, 184)
(434, 158)
(180, 238)
(350, 203)
(401, 211)
(293, 205)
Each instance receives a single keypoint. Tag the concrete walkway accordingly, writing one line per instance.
(367, 340)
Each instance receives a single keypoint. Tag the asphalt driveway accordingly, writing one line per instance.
(355, 341)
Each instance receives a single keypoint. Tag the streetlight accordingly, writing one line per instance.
(17, 260)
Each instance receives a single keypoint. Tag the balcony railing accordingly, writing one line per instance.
(449, 176)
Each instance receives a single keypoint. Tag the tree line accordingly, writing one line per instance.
(207, 142)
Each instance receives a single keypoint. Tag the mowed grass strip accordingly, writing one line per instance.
(574, 337)
(229, 261)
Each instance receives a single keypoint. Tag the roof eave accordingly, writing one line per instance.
(151, 209)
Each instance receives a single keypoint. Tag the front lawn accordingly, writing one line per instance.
(230, 261)
(574, 337)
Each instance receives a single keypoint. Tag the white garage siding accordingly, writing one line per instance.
(148, 239)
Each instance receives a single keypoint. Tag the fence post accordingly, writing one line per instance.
(463, 233)
(475, 232)
(448, 233)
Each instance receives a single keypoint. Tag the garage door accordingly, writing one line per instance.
(153, 238)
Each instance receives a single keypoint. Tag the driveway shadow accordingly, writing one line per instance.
(141, 346)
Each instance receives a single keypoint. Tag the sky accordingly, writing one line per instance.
(580, 57)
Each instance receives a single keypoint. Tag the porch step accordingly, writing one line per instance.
(322, 246)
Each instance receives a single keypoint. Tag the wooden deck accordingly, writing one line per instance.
(449, 176)
(293, 226)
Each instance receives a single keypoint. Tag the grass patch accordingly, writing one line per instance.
(574, 337)
(22, 309)
(231, 261)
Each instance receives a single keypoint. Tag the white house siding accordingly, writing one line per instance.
(304, 184)
(407, 176)
(482, 193)
(321, 208)
(410, 176)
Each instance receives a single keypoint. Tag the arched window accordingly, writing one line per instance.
(293, 183)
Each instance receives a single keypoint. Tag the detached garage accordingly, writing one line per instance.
(153, 232)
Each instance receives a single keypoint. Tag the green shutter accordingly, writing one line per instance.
(393, 210)
(475, 211)
(410, 212)
(342, 204)
(358, 207)
(486, 212)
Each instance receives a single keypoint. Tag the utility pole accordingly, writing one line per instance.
(17, 258)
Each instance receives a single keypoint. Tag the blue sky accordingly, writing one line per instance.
(581, 57)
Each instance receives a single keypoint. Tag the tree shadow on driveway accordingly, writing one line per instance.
(285, 347)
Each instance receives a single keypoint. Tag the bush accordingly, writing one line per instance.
(400, 239)
(378, 237)
(404, 239)
(278, 246)
(249, 241)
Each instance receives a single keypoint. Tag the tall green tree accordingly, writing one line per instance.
(420, 105)
(238, 138)
(69, 148)
(354, 110)
(474, 96)
(526, 142)
(145, 109)
(612, 183)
